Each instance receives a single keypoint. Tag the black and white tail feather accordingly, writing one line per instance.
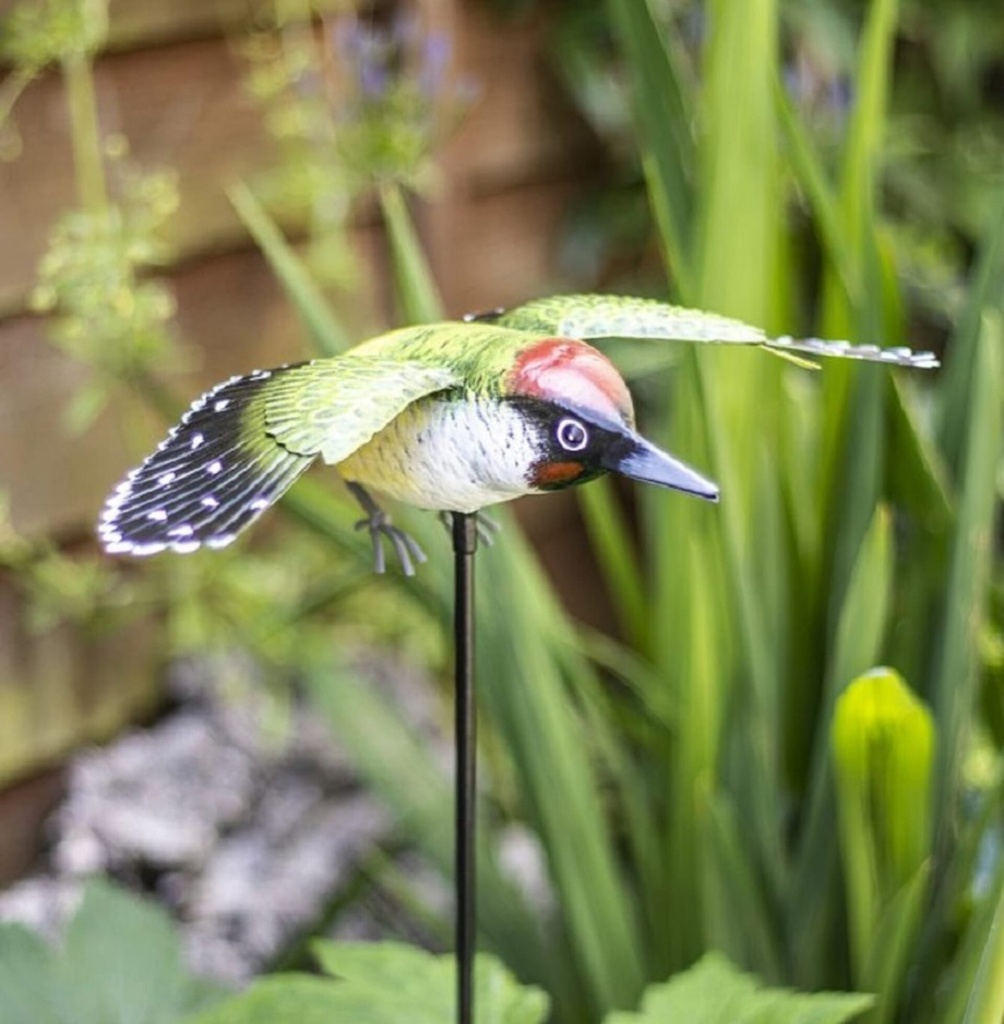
(212, 476)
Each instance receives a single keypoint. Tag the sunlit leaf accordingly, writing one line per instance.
(382, 983)
(121, 961)
(30, 993)
(713, 991)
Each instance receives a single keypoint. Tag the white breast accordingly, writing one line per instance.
(454, 455)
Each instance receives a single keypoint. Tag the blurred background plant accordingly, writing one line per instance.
(720, 769)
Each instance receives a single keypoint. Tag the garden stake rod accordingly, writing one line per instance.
(465, 543)
(451, 417)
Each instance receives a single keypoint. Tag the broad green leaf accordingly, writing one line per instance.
(282, 999)
(390, 983)
(736, 250)
(379, 964)
(714, 992)
(121, 961)
(30, 993)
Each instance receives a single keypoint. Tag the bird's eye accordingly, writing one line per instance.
(572, 435)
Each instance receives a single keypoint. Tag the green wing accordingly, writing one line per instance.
(591, 317)
(331, 407)
(243, 444)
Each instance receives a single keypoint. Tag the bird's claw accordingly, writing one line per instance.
(378, 523)
(405, 546)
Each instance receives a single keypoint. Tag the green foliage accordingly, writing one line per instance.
(381, 983)
(388, 983)
(57, 588)
(713, 990)
(816, 580)
(120, 961)
(363, 103)
(41, 32)
(307, 183)
(701, 804)
(843, 515)
(111, 316)
(107, 313)
(729, 884)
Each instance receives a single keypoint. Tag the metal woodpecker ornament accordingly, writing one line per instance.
(452, 417)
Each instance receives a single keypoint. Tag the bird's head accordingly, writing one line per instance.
(584, 419)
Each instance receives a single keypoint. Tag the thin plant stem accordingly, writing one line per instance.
(85, 131)
(10, 91)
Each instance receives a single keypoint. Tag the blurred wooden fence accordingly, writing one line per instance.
(173, 82)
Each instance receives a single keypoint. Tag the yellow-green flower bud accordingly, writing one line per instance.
(883, 748)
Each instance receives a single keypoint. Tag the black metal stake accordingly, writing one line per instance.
(465, 543)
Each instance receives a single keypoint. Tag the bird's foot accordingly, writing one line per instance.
(378, 523)
(488, 528)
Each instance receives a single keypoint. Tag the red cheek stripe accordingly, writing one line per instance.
(574, 372)
(553, 474)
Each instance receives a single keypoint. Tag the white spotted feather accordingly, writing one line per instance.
(213, 474)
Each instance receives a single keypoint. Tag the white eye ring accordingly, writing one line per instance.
(572, 435)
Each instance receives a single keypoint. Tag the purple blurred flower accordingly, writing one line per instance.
(436, 53)
(377, 56)
(815, 91)
(366, 51)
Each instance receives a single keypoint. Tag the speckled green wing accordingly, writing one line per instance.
(331, 407)
(242, 445)
(592, 317)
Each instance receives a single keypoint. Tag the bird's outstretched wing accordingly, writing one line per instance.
(242, 445)
(332, 407)
(213, 474)
(591, 317)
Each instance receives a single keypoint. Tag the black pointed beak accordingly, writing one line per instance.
(638, 459)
